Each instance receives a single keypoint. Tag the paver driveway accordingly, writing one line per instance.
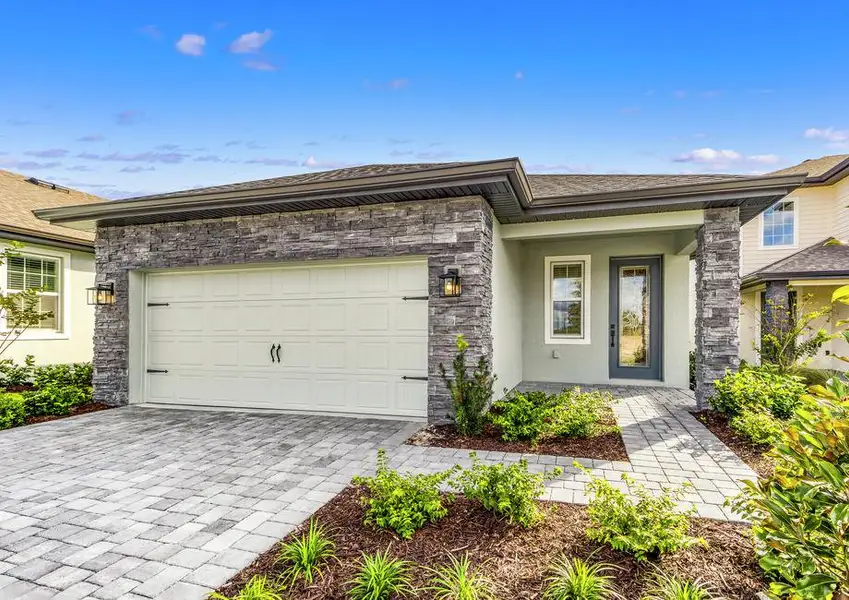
(156, 503)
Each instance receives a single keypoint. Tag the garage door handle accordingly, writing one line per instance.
(272, 352)
(157, 370)
(406, 377)
(278, 353)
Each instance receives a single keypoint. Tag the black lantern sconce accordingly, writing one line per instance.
(102, 293)
(449, 284)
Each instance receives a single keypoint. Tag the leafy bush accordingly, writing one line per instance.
(258, 588)
(403, 503)
(758, 426)
(305, 556)
(576, 579)
(508, 491)
(669, 587)
(55, 400)
(458, 580)
(12, 412)
(381, 578)
(471, 394)
(62, 375)
(800, 514)
(646, 528)
(578, 413)
(13, 374)
(758, 388)
(522, 416)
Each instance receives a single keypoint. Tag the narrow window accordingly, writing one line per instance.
(567, 300)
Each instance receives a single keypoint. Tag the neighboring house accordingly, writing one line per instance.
(56, 259)
(326, 292)
(785, 259)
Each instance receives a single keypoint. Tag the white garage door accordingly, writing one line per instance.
(332, 338)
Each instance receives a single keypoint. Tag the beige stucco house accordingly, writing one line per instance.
(336, 292)
(785, 258)
(58, 260)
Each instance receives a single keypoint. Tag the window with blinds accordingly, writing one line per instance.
(25, 272)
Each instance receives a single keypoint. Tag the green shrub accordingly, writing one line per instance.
(669, 587)
(403, 503)
(577, 413)
(758, 388)
(510, 491)
(758, 426)
(458, 580)
(55, 400)
(258, 588)
(306, 555)
(800, 514)
(13, 374)
(63, 375)
(381, 578)
(650, 526)
(522, 416)
(12, 412)
(576, 579)
(471, 394)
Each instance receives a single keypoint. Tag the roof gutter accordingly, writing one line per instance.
(756, 279)
(832, 176)
(507, 170)
(20, 235)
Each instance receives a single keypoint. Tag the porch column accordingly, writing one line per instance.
(717, 299)
(776, 316)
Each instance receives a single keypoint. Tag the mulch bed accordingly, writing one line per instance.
(513, 557)
(751, 454)
(77, 410)
(604, 446)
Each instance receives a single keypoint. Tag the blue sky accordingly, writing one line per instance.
(126, 98)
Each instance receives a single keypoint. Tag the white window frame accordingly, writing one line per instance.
(762, 218)
(550, 337)
(63, 319)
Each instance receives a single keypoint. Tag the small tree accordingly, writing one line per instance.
(791, 338)
(19, 310)
(471, 393)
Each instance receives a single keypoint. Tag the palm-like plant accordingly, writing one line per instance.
(381, 578)
(459, 580)
(577, 579)
(670, 587)
(258, 588)
(306, 555)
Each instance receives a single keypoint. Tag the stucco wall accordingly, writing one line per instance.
(749, 327)
(450, 233)
(817, 211)
(74, 343)
(588, 363)
(507, 310)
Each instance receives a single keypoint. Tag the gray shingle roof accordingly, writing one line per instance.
(819, 259)
(552, 186)
(815, 167)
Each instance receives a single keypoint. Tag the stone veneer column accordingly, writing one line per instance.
(717, 299)
(454, 232)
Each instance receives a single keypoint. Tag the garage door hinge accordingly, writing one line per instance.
(415, 298)
(157, 370)
(407, 377)
(158, 304)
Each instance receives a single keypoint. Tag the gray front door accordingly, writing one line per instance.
(634, 334)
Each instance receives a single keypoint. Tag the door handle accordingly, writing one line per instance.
(272, 352)
(613, 335)
(278, 353)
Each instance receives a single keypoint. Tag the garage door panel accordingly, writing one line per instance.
(346, 338)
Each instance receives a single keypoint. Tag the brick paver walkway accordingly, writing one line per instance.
(139, 503)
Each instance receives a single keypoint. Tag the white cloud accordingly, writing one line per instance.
(313, 163)
(829, 134)
(725, 158)
(191, 44)
(519, 75)
(250, 43)
(260, 65)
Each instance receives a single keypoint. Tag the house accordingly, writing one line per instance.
(337, 292)
(56, 259)
(786, 260)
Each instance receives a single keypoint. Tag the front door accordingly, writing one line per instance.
(634, 333)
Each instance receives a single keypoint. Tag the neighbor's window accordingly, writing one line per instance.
(24, 272)
(779, 222)
(567, 301)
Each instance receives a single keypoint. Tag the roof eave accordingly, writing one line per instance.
(835, 174)
(758, 278)
(47, 239)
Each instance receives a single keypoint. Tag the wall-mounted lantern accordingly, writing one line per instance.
(449, 284)
(102, 293)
